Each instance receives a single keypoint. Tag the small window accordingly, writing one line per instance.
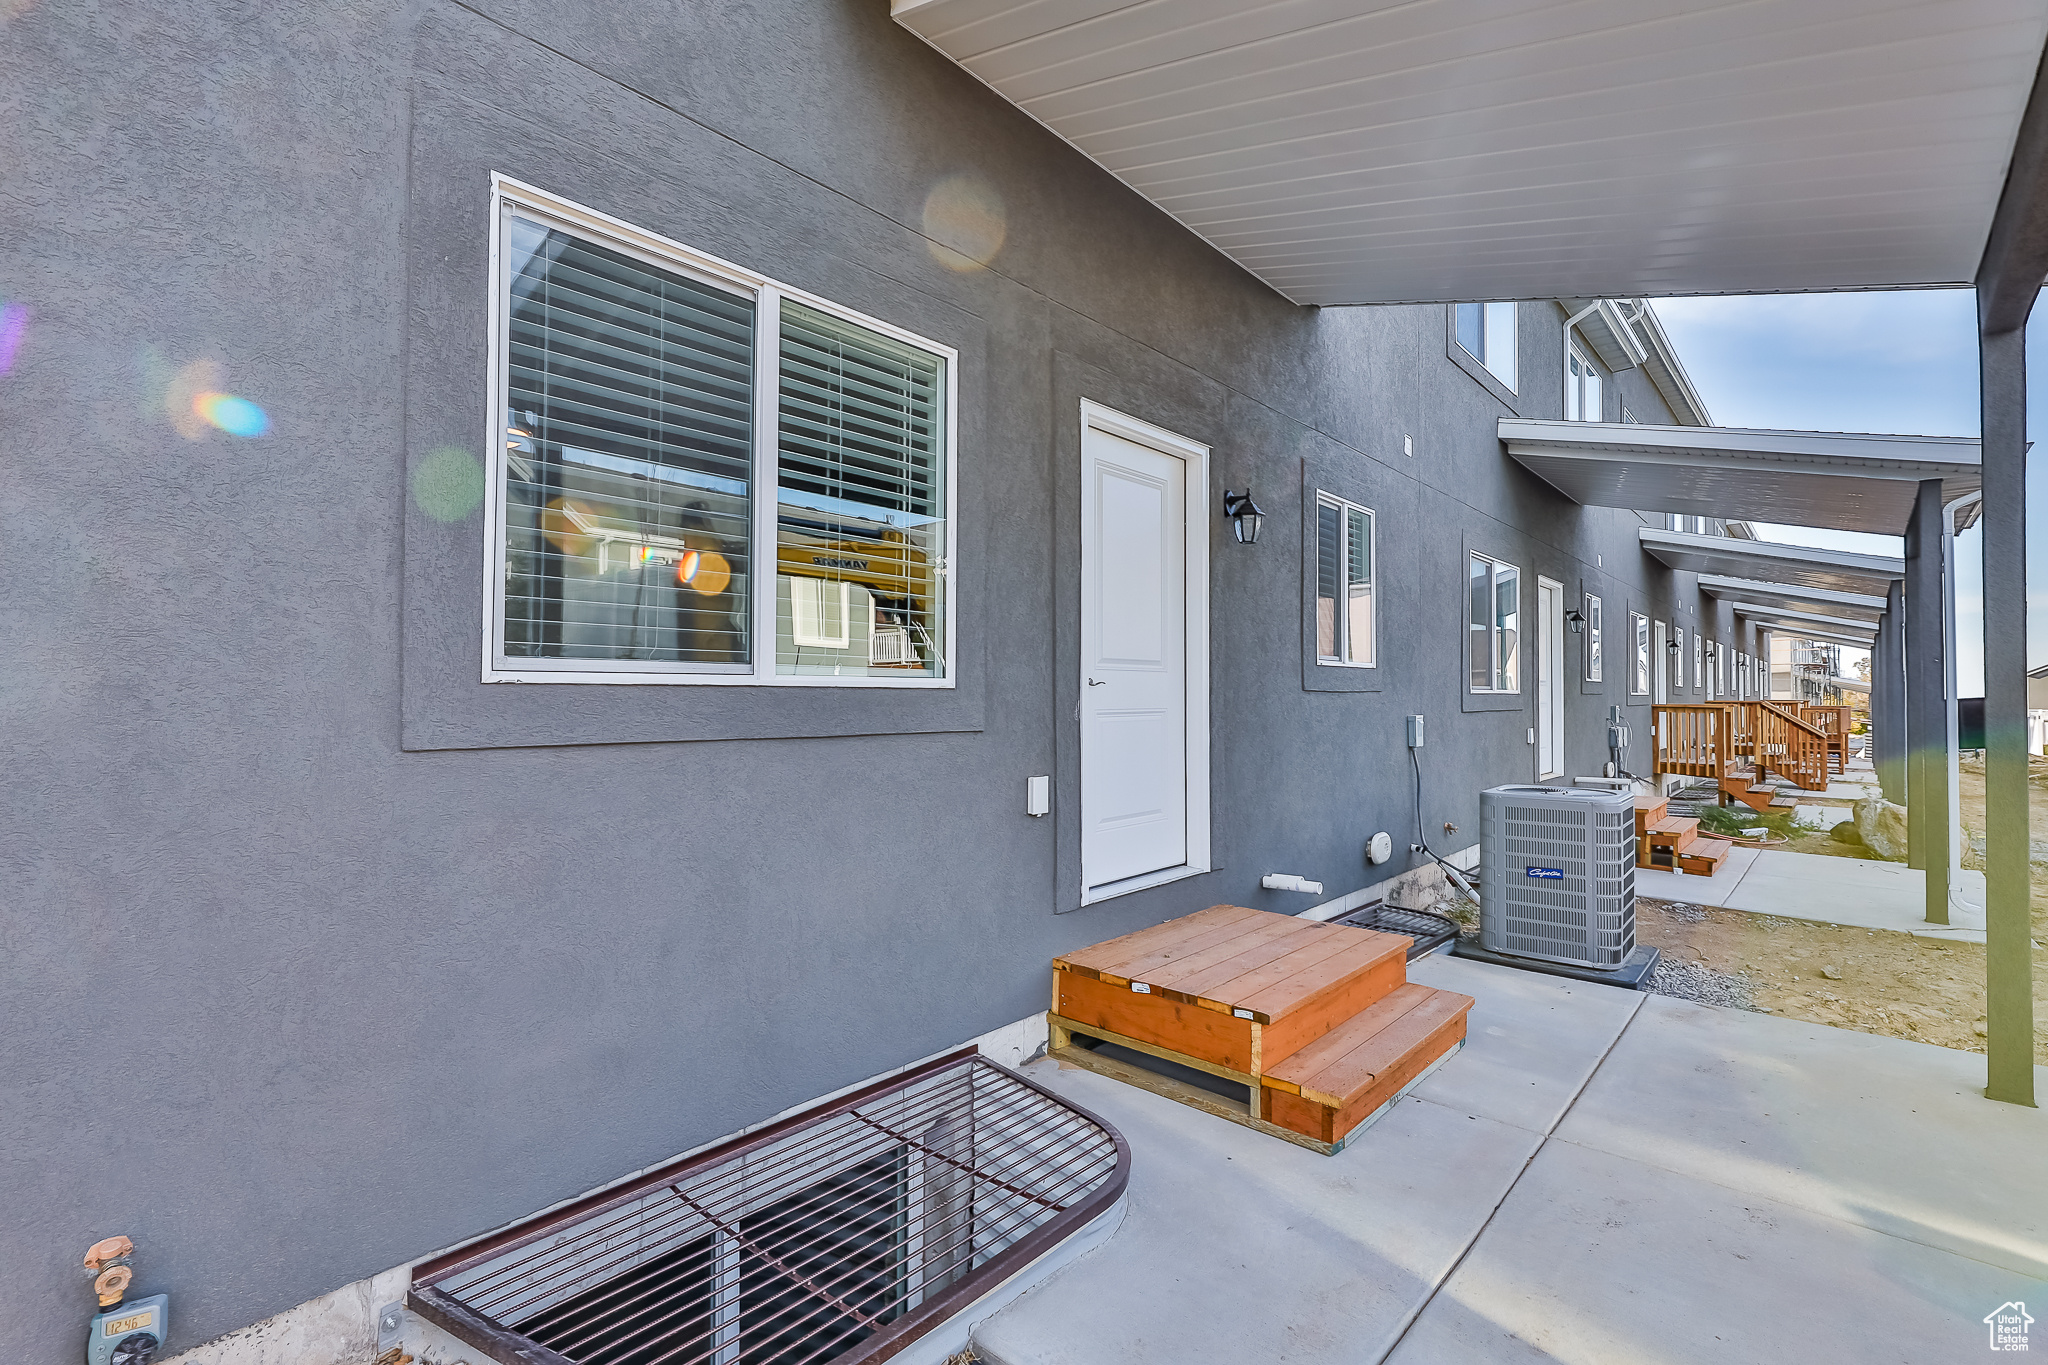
(1639, 678)
(1495, 620)
(1676, 655)
(1487, 333)
(1592, 638)
(1582, 402)
(1344, 573)
(1699, 668)
(700, 477)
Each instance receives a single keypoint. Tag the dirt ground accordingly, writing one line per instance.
(1878, 982)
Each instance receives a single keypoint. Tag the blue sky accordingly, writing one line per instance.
(1896, 362)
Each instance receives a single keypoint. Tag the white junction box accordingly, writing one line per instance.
(1557, 878)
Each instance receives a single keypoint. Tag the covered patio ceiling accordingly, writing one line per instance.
(1797, 565)
(1357, 151)
(1851, 606)
(1807, 625)
(1840, 481)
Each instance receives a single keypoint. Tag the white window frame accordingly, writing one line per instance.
(1344, 509)
(667, 254)
(1575, 391)
(1596, 649)
(1641, 648)
(1496, 670)
(1506, 313)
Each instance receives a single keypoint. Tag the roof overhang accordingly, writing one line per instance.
(1798, 565)
(1851, 606)
(1355, 151)
(1806, 625)
(1837, 480)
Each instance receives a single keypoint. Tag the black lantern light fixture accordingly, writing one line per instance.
(1576, 619)
(1672, 646)
(1245, 515)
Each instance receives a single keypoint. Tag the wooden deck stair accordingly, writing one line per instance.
(1674, 843)
(1317, 1022)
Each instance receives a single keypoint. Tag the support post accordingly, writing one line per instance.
(2008, 950)
(1927, 701)
(1888, 697)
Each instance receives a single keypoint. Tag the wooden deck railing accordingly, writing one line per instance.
(1790, 747)
(1834, 722)
(1710, 739)
(1693, 740)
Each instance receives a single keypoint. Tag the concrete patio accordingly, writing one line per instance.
(1598, 1176)
(1865, 892)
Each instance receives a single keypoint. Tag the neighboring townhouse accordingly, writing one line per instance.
(605, 573)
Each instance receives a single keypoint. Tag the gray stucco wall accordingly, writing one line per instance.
(319, 954)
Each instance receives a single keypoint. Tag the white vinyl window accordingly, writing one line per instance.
(1582, 401)
(1639, 674)
(699, 475)
(1495, 624)
(1699, 665)
(1675, 652)
(1486, 332)
(1345, 619)
(1593, 662)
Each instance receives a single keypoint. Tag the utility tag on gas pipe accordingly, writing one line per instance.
(1141, 988)
(1549, 874)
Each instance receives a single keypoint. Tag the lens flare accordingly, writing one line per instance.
(566, 522)
(235, 416)
(687, 566)
(964, 222)
(13, 326)
(713, 574)
(448, 484)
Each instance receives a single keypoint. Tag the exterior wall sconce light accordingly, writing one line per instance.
(1673, 647)
(1576, 619)
(1245, 515)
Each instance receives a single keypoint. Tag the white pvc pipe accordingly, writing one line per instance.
(1287, 881)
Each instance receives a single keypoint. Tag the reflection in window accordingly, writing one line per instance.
(1639, 680)
(1494, 625)
(1486, 331)
(628, 436)
(860, 502)
(1344, 572)
(1582, 401)
(1592, 638)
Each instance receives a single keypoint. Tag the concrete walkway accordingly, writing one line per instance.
(1865, 892)
(1600, 1176)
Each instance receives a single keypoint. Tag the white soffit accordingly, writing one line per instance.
(1790, 621)
(1853, 606)
(1353, 151)
(1836, 480)
(1798, 565)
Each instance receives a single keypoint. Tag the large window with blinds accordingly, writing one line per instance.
(704, 476)
(1345, 633)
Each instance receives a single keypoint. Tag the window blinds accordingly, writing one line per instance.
(629, 436)
(861, 498)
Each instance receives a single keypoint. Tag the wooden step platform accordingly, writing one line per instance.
(1234, 992)
(1673, 832)
(1703, 857)
(1346, 1077)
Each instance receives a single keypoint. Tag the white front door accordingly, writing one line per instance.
(1144, 806)
(1549, 678)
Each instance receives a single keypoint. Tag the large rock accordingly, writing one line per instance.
(1882, 827)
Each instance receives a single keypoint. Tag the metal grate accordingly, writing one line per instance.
(1428, 929)
(840, 1234)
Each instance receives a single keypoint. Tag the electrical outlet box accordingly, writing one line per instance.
(1415, 732)
(130, 1334)
(1038, 796)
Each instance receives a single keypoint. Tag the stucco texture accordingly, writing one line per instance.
(320, 954)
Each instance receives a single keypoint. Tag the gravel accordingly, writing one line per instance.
(1682, 912)
(1703, 985)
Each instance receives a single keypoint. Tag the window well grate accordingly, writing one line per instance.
(839, 1234)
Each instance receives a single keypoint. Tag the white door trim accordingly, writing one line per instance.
(1196, 551)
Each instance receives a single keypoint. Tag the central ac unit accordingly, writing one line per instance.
(1557, 874)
